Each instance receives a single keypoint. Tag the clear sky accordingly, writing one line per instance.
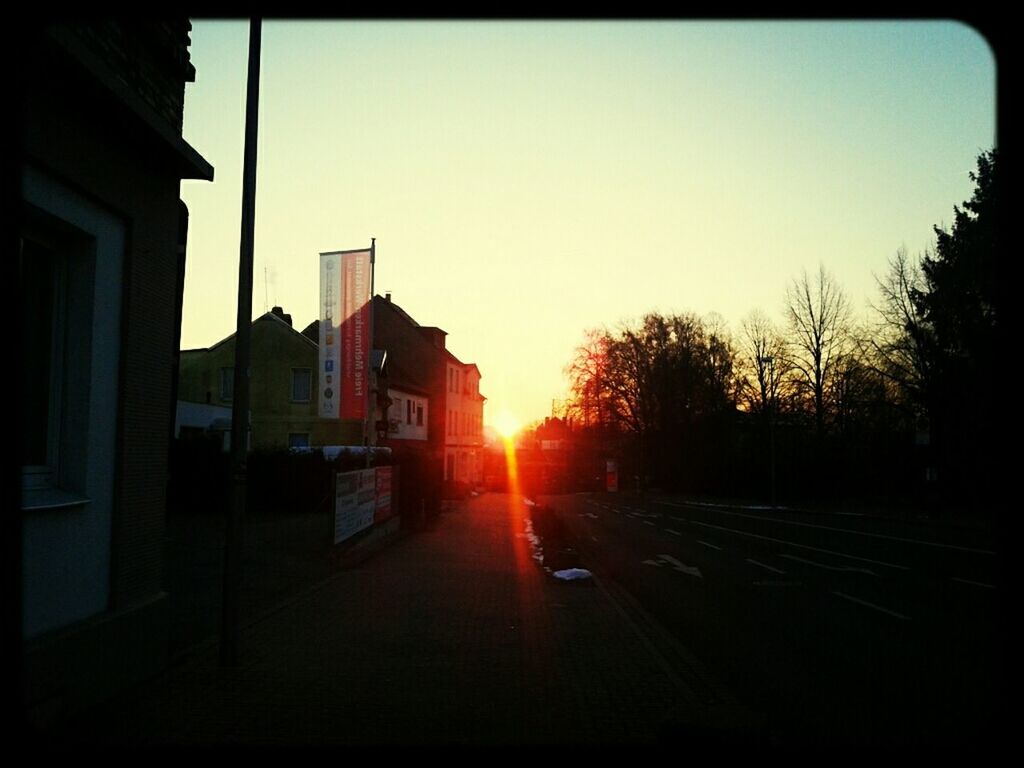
(526, 180)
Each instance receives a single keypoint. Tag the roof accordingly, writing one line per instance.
(265, 317)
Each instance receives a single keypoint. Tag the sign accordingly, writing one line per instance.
(354, 502)
(345, 343)
(383, 510)
(612, 475)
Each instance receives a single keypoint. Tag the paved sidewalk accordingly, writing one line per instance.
(451, 636)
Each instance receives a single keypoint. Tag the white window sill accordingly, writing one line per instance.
(38, 499)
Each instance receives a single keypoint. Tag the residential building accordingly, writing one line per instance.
(420, 365)
(102, 237)
(283, 386)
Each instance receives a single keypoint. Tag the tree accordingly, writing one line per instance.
(899, 343)
(818, 315)
(961, 304)
(763, 363)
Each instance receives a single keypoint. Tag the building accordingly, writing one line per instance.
(283, 387)
(101, 237)
(422, 371)
(464, 436)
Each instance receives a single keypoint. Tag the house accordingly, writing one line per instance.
(101, 255)
(283, 387)
(424, 372)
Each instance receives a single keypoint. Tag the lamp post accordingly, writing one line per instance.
(770, 362)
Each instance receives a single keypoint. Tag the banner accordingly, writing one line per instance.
(345, 343)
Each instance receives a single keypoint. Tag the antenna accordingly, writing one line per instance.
(264, 289)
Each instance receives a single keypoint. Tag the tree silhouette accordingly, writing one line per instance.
(818, 315)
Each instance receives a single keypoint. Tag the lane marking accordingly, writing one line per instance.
(829, 567)
(871, 605)
(692, 570)
(975, 583)
(843, 530)
(775, 570)
(706, 544)
(801, 546)
(674, 533)
(648, 522)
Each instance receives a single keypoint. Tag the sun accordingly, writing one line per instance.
(506, 424)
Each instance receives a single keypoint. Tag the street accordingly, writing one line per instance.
(839, 628)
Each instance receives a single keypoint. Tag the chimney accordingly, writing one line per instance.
(387, 296)
(280, 313)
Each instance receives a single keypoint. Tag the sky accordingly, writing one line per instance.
(528, 180)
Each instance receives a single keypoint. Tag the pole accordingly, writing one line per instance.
(370, 405)
(240, 403)
(771, 423)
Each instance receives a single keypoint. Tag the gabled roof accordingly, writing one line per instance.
(264, 318)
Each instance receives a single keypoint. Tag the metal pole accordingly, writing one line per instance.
(240, 403)
(771, 424)
(370, 405)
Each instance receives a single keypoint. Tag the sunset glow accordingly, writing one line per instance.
(506, 424)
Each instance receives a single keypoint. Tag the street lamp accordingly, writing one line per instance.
(770, 362)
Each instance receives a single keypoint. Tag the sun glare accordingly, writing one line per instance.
(506, 424)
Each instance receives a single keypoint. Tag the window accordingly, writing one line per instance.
(42, 352)
(419, 415)
(408, 411)
(227, 383)
(298, 439)
(302, 379)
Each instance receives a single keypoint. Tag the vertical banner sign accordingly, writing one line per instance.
(344, 334)
(330, 311)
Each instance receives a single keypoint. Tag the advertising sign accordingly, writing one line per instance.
(355, 502)
(345, 343)
(383, 511)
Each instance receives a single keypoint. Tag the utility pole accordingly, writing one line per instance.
(240, 402)
(770, 361)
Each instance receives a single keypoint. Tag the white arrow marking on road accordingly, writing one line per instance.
(692, 570)
(830, 567)
(656, 563)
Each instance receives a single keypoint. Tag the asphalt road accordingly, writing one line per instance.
(838, 628)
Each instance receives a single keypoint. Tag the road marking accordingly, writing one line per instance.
(674, 533)
(975, 583)
(801, 546)
(829, 567)
(648, 522)
(776, 570)
(708, 545)
(871, 605)
(842, 530)
(692, 570)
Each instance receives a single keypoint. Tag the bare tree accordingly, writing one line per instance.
(763, 361)
(898, 343)
(818, 314)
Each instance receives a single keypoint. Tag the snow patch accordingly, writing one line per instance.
(569, 574)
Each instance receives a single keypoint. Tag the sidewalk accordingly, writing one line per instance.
(451, 636)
